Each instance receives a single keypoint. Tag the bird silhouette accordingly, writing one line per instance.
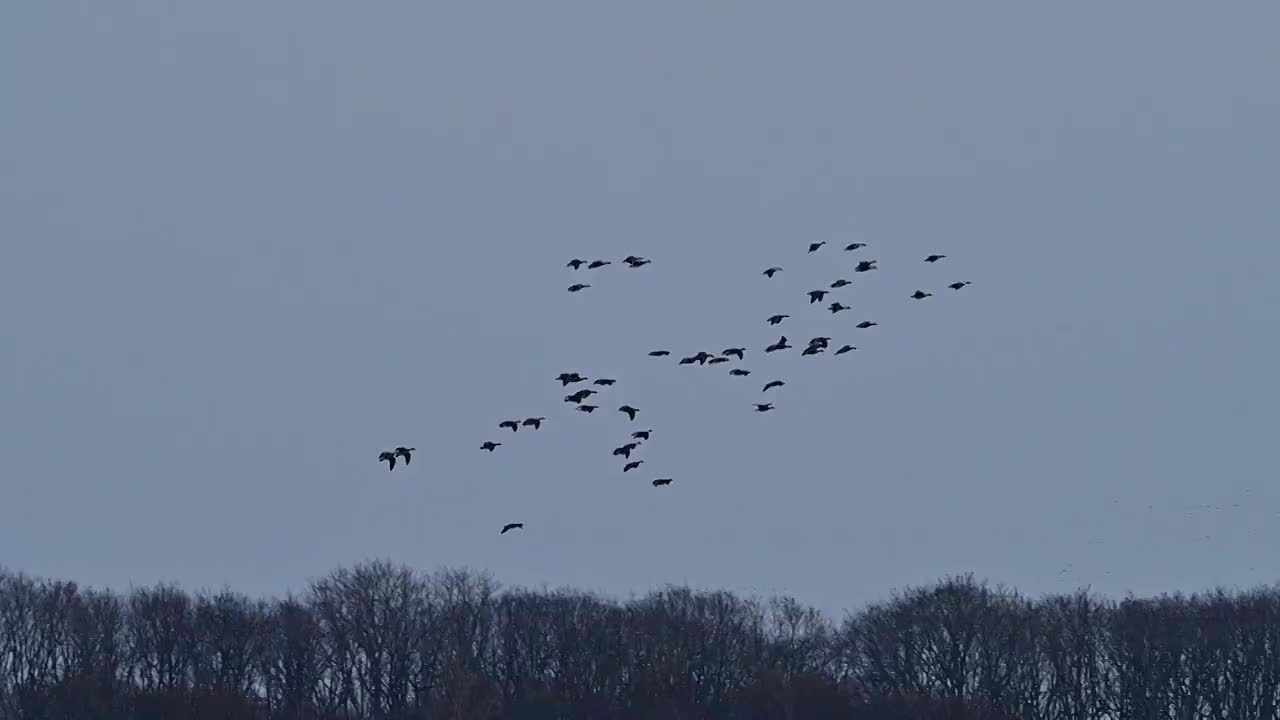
(920, 295)
(567, 378)
(389, 457)
(489, 445)
(816, 296)
(576, 263)
(513, 424)
(659, 353)
(511, 526)
(821, 341)
(739, 372)
(632, 465)
(865, 266)
(772, 384)
(625, 450)
(813, 247)
(837, 307)
(814, 350)
(688, 361)
(775, 319)
(844, 349)
(934, 258)
(702, 357)
(740, 352)
(579, 396)
(841, 283)
(406, 453)
(588, 408)
(534, 422)
(598, 264)
(578, 287)
(717, 360)
(630, 411)
(763, 407)
(661, 481)
(780, 345)
(635, 261)
(958, 285)
(854, 246)
(866, 324)
(771, 272)
(641, 434)
(604, 381)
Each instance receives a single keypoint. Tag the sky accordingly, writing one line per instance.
(246, 247)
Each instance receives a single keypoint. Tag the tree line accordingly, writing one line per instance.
(381, 641)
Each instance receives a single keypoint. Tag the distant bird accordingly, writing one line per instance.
(489, 445)
(840, 283)
(566, 378)
(821, 340)
(625, 450)
(702, 357)
(775, 319)
(814, 350)
(763, 407)
(604, 381)
(511, 526)
(659, 353)
(533, 422)
(630, 411)
(579, 396)
(816, 296)
(772, 384)
(641, 434)
(587, 408)
(688, 361)
(661, 481)
(813, 247)
(934, 258)
(576, 263)
(958, 285)
(920, 294)
(739, 372)
(734, 351)
(577, 287)
(844, 349)
(513, 424)
(632, 465)
(635, 261)
(854, 246)
(389, 457)
(598, 264)
(771, 272)
(837, 307)
(717, 360)
(866, 324)
(780, 345)
(866, 265)
(405, 452)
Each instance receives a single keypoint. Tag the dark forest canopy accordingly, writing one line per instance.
(382, 641)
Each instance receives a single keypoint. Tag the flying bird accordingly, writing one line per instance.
(816, 296)
(566, 378)
(641, 434)
(632, 465)
(587, 408)
(579, 396)
(739, 372)
(717, 360)
(780, 345)
(763, 407)
(865, 265)
(390, 458)
(625, 450)
(934, 258)
(813, 247)
(511, 526)
(771, 272)
(659, 353)
(598, 264)
(533, 422)
(577, 287)
(866, 324)
(576, 263)
(489, 445)
(702, 357)
(688, 360)
(958, 285)
(404, 452)
(604, 381)
(635, 261)
(772, 384)
(920, 295)
(840, 283)
(740, 352)
(630, 411)
(661, 481)
(854, 246)
(837, 307)
(513, 424)
(844, 349)
(814, 350)
(775, 319)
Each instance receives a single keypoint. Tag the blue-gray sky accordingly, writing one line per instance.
(245, 247)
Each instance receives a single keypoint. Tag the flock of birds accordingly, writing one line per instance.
(581, 398)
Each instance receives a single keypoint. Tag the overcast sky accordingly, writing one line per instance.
(245, 247)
